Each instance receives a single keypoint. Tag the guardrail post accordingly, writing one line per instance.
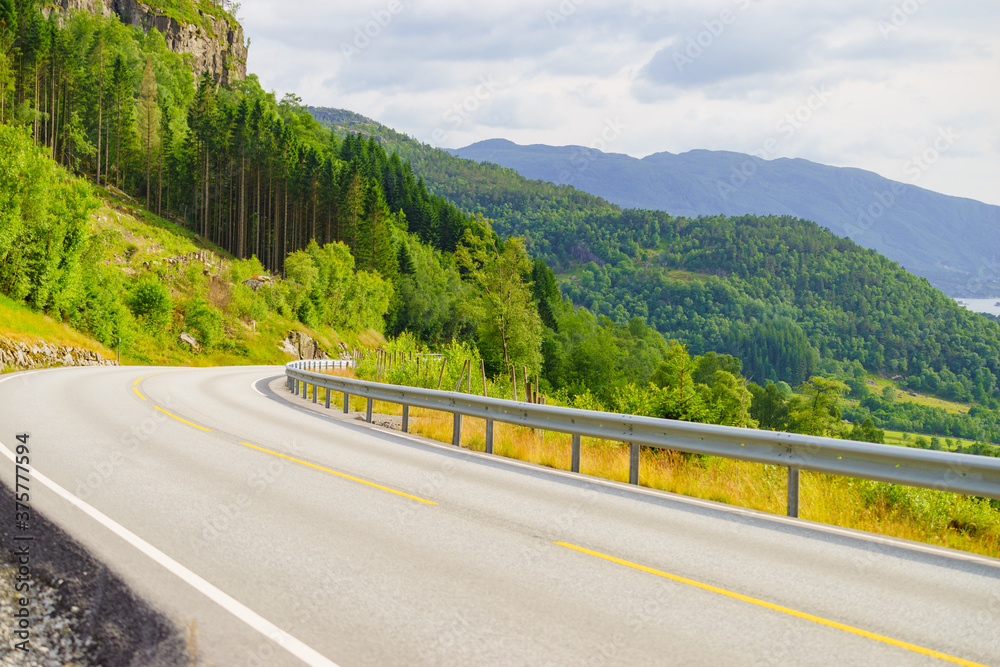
(368, 411)
(793, 492)
(347, 402)
(305, 389)
(489, 436)
(315, 392)
(328, 392)
(406, 418)
(575, 456)
(633, 464)
(456, 431)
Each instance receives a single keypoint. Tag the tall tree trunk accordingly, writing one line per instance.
(256, 228)
(159, 180)
(204, 194)
(100, 113)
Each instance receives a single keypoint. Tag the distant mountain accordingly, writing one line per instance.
(951, 241)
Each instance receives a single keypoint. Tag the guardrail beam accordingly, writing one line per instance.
(943, 471)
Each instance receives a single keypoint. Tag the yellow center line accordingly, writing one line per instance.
(340, 474)
(775, 607)
(201, 428)
(135, 387)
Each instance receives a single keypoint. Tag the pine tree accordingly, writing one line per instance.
(148, 116)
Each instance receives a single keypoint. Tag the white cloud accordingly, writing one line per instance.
(562, 69)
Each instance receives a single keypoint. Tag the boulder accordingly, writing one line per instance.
(189, 340)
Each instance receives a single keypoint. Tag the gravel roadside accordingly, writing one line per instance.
(80, 613)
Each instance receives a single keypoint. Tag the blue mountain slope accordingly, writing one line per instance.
(951, 241)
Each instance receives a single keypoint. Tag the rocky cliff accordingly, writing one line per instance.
(216, 44)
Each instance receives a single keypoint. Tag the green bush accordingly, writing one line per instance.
(150, 302)
(103, 314)
(204, 322)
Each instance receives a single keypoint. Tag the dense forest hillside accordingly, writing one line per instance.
(358, 227)
(782, 294)
(948, 240)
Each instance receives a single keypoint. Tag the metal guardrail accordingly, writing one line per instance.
(944, 471)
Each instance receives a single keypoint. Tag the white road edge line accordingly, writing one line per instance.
(294, 646)
(253, 385)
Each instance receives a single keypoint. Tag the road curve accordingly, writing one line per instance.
(280, 533)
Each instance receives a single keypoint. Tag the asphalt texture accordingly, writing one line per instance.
(272, 531)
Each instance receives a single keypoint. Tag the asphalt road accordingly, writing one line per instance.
(276, 532)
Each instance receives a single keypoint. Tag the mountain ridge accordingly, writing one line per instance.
(943, 238)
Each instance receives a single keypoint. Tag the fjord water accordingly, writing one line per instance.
(990, 305)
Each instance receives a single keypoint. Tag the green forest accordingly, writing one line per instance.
(713, 319)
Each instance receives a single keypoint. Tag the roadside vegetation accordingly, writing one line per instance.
(268, 222)
(922, 515)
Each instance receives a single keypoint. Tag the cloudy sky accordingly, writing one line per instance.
(909, 89)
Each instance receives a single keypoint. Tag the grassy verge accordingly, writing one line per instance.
(18, 322)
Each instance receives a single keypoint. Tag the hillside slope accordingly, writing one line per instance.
(107, 273)
(951, 241)
(784, 295)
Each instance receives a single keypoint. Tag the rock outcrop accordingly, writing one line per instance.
(190, 341)
(302, 345)
(217, 45)
(21, 356)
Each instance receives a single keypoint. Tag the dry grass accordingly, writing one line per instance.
(920, 515)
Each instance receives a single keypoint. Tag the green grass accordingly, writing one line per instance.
(905, 396)
(130, 235)
(18, 322)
